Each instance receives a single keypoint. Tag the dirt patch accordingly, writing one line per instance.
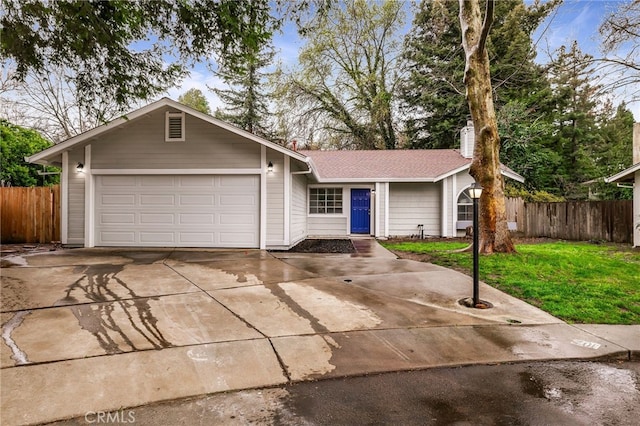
(323, 246)
(15, 249)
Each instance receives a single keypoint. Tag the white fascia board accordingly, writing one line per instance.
(623, 175)
(452, 172)
(512, 175)
(507, 173)
(374, 180)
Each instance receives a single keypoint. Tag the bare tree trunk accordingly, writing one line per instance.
(485, 168)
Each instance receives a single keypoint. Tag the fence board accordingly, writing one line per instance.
(575, 220)
(30, 215)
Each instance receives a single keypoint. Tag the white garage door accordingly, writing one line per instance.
(178, 211)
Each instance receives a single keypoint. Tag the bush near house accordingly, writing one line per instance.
(576, 282)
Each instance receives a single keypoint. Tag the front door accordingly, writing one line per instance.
(360, 211)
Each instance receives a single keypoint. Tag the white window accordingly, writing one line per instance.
(465, 207)
(174, 127)
(325, 200)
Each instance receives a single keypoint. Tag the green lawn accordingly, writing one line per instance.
(576, 282)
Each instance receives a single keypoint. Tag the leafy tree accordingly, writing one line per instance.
(16, 143)
(522, 145)
(347, 77)
(99, 40)
(195, 99)
(485, 167)
(433, 93)
(246, 102)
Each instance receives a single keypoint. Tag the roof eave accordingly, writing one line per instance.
(625, 175)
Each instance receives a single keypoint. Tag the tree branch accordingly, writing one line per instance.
(486, 26)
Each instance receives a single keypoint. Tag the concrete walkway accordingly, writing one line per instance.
(92, 330)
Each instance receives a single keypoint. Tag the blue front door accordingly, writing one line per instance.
(360, 211)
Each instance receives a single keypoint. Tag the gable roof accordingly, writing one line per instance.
(627, 175)
(418, 165)
(48, 154)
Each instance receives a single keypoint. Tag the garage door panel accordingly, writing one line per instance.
(237, 200)
(192, 237)
(237, 239)
(118, 200)
(197, 181)
(196, 200)
(157, 200)
(238, 219)
(117, 238)
(177, 211)
(157, 237)
(117, 218)
(157, 218)
(196, 219)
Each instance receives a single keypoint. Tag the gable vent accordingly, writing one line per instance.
(174, 130)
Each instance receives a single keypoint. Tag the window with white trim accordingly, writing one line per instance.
(325, 200)
(174, 127)
(465, 206)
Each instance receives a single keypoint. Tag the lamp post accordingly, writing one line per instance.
(474, 192)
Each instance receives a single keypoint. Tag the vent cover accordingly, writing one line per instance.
(174, 131)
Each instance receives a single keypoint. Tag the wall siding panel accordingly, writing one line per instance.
(327, 226)
(411, 204)
(275, 199)
(298, 224)
(143, 146)
(75, 225)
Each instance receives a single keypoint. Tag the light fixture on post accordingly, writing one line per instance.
(80, 168)
(475, 191)
(270, 167)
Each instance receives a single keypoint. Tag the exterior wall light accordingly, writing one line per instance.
(80, 168)
(270, 167)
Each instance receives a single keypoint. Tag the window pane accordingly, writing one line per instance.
(325, 200)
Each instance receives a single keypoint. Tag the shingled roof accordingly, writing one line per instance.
(426, 165)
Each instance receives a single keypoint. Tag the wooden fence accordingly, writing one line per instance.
(574, 220)
(30, 215)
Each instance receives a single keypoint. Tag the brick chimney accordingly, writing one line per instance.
(294, 145)
(467, 140)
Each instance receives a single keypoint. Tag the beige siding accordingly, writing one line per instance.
(275, 199)
(76, 198)
(298, 224)
(411, 204)
(327, 226)
(141, 145)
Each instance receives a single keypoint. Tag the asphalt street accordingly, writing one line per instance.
(537, 393)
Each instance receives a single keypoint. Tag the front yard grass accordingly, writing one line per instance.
(576, 282)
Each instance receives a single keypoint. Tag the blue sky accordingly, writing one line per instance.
(573, 20)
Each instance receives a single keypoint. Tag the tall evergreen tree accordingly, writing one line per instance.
(614, 152)
(576, 132)
(243, 69)
(433, 94)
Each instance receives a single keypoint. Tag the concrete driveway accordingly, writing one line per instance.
(92, 330)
